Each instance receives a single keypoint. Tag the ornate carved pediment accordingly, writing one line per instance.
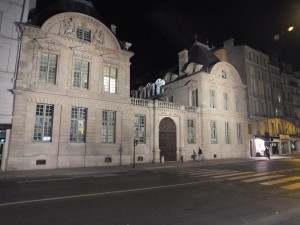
(111, 58)
(84, 27)
(49, 43)
(83, 52)
(226, 71)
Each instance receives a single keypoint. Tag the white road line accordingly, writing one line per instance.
(247, 176)
(213, 174)
(262, 178)
(99, 194)
(280, 181)
(45, 180)
(206, 172)
(232, 174)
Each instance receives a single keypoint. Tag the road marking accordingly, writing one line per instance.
(292, 186)
(246, 176)
(279, 181)
(44, 180)
(232, 174)
(207, 173)
(262, 178)
(100, 193)
(216, 173)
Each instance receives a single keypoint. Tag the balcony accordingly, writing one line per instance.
(162, 105)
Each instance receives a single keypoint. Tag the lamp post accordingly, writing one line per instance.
(135, 142)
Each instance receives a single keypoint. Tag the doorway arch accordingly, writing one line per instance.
(167, 139)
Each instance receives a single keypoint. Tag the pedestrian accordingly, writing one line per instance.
(200, 155)
(267, 152)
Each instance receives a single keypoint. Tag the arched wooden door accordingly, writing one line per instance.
(167, 139)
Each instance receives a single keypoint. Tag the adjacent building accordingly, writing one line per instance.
(272, 99)
(12, 12)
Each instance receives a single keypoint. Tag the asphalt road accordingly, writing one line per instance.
(253, 193)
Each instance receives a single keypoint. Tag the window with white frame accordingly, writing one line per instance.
(108, 126)
(239, 133)
(226, 101)
(195, 97)
(213, 132)
(227, 133)
(43, 122)
(78, 124)
(48, 67)
(191, 132)
(83, 34)
(213, 99)
(81, 74)
(140, 128)
(110, 79)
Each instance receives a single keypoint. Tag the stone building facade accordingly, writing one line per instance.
(272, 99)
(74, 107)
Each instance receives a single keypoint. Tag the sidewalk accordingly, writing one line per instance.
(105, 170)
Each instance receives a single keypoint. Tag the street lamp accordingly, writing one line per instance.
(135, 142)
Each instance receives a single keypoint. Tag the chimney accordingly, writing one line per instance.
(113, 29)
(182, 60)
(229, 43)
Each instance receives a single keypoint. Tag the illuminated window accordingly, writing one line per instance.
(110, 79)
(43, 122)
(108, 126)
(78, 124)
(48, 66)
(81, 74)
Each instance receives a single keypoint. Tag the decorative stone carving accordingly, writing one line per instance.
(98, 36)
(159, 83)
(68, 27)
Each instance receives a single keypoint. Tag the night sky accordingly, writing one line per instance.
(159, 30)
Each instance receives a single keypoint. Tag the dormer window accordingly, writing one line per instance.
(83, 34)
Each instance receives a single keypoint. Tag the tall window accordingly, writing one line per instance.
(213, 132)
(78, 124)
(140, 128)
(81, 74)
(191, 132)
(226, 101)
(227, 133)
(48, 66)
(239, 133)
(43, 122)
(108, 126)
(213, 99)
(83, 34)
(237, 103)
(195, 97)
(110, 79)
